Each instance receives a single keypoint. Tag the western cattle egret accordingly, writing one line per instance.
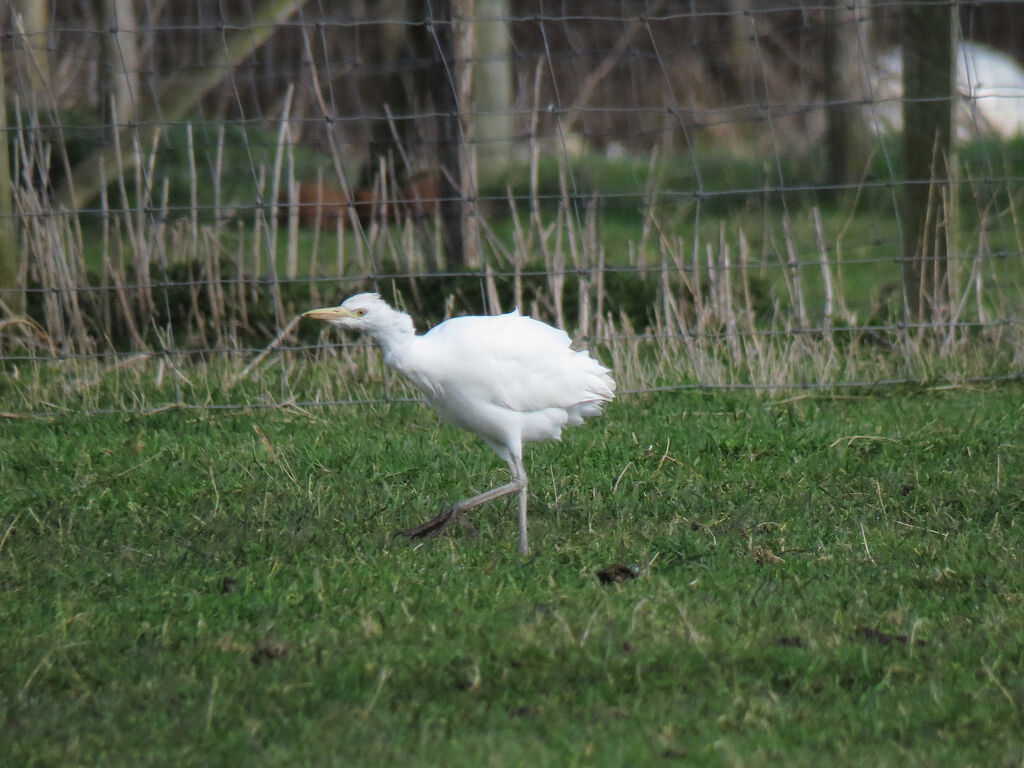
(508, 378)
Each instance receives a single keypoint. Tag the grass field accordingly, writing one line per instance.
(819, 580)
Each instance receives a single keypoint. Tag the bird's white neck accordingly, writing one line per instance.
(392, 331)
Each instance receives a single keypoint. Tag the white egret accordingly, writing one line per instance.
(508, 378)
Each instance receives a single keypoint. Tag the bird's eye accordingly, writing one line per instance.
(360, 312)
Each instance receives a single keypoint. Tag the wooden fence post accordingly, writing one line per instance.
(449, 131)
(846, 23)
(929, 93)
(8, 228)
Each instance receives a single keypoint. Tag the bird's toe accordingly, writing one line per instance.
(429, 529)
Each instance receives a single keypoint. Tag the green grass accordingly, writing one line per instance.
(821, 580)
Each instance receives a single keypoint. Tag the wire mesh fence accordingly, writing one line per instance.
(709, 195)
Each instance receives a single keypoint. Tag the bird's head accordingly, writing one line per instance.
(366, 312)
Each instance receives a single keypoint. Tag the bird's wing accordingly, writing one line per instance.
(509, 360)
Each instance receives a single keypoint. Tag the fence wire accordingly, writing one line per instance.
(710, 195)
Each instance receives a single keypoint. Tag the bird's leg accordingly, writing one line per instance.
(515, 467)
(524, 546)
(435, 525)
(517, 484)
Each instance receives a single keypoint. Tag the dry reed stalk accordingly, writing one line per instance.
(291, 268)
(556, 271)
(535, 147)
(572, 234)
(493, 303)
(625, 357)
(42, 242)
(437, 247)
(695, 290)
(792, 273)
(340, 258)
(542, 232)
(258, 225)
(650, 199)
(726, 282)
(677, 307)
(137, 259)
(665, 289)
(826, 271)
(521, 240)
(956, 310)
(588, 244)
(144, 176)
(826, 278)
(841, 306)
(284, 333)
(314, 266)
(121, 291)
(271, 246)
(193, 191)
(405, 252)
(105, 288)
(744, 260)
(713, 299)
(196, 315)
(218, 169)
(240, 280)
(998, 284)
(267, 204)
(378, 229)
(215, 290)
(554, 255)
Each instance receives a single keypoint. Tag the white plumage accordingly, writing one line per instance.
(508, 378)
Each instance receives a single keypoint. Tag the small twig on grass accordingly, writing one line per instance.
(382, 678)
(864, 538)
(920, 528)
(998, 684)
(665, 457)
(142, 463)
(10, 529)
(209, 704)
(622, 474)
(850, 438)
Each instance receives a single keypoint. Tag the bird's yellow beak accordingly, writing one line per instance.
(329, 313)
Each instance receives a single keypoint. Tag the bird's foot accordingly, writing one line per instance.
(435, 525)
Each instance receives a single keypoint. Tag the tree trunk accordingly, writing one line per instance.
(929, 92)
(10, 294)
(35, 17)
(845, 48)
(449, 131)
(395, 139)
(175, 98)
(491, 113)
(119, 68)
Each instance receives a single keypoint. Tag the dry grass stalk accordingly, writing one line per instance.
(794, 280)
(704, 327)
(731, 325)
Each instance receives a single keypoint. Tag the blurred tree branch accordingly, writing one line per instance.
(172, 102)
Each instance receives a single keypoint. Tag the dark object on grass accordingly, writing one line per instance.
(268, 650)
(883, 638)
(790, 642)
(616, 573)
